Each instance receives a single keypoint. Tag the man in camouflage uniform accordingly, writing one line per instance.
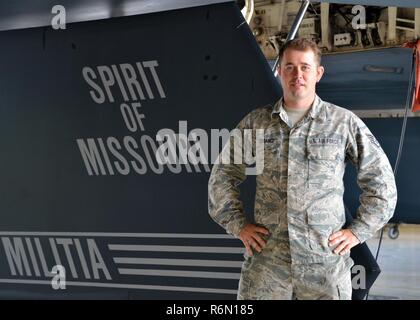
(302, 250)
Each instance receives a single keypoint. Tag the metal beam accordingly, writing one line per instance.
(417, 23)
(392, 25)
(382, 3)
(325, 26)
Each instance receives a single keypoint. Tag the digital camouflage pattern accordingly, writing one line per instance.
(299, 199)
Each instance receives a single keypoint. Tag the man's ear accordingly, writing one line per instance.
(278, 70)
(320, 73)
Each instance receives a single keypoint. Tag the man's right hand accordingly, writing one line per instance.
(251, 238)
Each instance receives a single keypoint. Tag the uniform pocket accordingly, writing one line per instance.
(326, 153)
(272, 146)
(331, 214)
(244, 289)
(344, 288)
(322, 165)
(322, 222)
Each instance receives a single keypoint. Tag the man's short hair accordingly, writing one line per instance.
(301, 44)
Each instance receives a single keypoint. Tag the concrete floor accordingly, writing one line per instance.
(400, 264)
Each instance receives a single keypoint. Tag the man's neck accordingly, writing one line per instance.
(303, 104)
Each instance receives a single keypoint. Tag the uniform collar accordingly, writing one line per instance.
(316, 111)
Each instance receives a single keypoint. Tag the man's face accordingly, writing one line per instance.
(299, 73)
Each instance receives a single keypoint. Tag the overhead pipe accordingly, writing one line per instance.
(295, 27)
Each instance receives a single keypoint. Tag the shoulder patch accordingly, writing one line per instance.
(373, 140)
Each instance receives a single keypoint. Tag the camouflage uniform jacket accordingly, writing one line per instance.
(299, 194)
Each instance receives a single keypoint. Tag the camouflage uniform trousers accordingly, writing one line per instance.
(270, 275)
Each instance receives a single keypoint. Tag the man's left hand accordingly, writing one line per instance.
(346, 240)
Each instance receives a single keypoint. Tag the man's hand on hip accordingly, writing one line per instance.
(345, 240)
(251, 238)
